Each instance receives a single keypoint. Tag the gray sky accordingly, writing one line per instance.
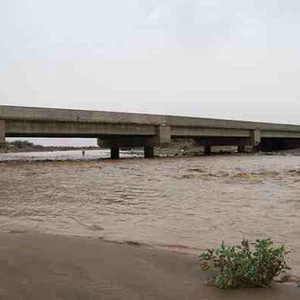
(208, 58)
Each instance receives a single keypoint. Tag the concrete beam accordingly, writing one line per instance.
(73, 115)
(178, 121)
(70, 115)
(2, 132)
(280, 134)
(190, 132)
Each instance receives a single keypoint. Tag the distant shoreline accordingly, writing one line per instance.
(177, 148)
(25, 146)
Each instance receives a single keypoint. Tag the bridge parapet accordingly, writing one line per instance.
(73, 115)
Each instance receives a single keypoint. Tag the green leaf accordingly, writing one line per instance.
(249, 264)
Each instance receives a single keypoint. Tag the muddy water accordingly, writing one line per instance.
(186, 204)
(73, 155)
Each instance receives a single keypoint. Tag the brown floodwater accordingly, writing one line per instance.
(182, 204)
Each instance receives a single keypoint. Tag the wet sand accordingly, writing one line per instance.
(34, 267)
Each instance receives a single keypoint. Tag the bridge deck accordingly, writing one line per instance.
(134, 129)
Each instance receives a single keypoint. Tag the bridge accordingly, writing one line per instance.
(116, 130)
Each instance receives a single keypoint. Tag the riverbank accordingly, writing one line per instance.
(35, 266)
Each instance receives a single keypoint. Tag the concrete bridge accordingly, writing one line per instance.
(116, 130)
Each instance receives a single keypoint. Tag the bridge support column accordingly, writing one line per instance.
(207, 150)
(2, 132)
(149, 152)
(255, 139)
(114, 153)
(241, 148)
(163, 135)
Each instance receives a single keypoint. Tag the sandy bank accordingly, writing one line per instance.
(53, 267)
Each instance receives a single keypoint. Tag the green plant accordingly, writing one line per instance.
(247, 265)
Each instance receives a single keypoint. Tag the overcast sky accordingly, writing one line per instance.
(208, 58)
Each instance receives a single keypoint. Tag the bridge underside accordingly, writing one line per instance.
(277, 144)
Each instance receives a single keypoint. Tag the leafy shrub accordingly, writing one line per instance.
(247, 265)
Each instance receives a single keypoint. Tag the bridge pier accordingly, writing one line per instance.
(2, 132)
(255, 139)
(241, 148)
(114, 153)
(161, 137)
(149, 152)
(207, 150)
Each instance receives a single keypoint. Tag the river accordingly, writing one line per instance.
(184, 204)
